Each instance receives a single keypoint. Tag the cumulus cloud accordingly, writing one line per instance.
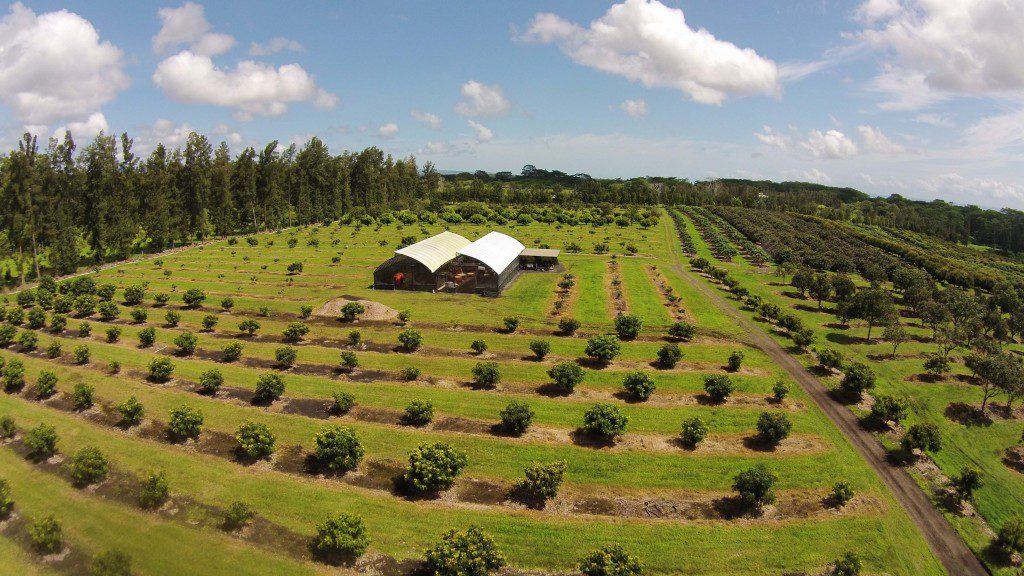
(829, 144)
(187, 25)
(648, 42)
(634, 108)
(771, 137)
(54, 66)
(483, 133)
(251, 88)
(87, 129)
(426, 118)
(996, 133)
(481, 100)
(876, 141)
(943, 48)
(275, 45)
(227, 134)
(389, 130)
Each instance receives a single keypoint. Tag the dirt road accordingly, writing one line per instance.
(945, 543)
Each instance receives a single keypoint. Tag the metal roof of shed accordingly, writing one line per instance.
(435, 251)
(495, 249)
(541, 252)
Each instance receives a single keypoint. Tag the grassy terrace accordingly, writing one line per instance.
(1002, 495)
(644, 467)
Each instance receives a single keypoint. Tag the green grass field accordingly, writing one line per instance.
(646, 470)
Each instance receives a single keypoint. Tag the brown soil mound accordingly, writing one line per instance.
(374, 310)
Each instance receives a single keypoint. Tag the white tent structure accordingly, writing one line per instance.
(487, 265)
(420, 266)
(437, 250)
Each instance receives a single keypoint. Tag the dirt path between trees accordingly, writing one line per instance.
(946, 544)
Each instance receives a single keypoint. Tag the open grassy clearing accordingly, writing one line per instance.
(933, 400)
(638, 469)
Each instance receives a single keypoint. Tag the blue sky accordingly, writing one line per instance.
(923, 98)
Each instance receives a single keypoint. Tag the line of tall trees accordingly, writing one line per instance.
(62, 206)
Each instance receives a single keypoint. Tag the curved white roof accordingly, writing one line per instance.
(495, 249)
(435, 251)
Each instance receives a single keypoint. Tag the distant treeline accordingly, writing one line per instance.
(63, 206)
(1002, 229)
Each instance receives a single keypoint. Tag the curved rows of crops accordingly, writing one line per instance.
(719, 244)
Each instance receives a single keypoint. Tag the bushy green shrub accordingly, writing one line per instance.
(339, 538)
(681, 330)
(669, 356)
(231, 352)
(237, 515)
(516, 417)
(773, 427)
(82, 396)
(337, 448)
(185, 422)
(610, 560)
(754, 486)
(410, 339)
(111, 563)
(349, 361)
(842, 492)
(46, 384)
(113, 334)
(46, 535)
(269, 387)
(351, 311)
(718, 387)
(160, 369)
(604, 421)
(511, 324)
(131, 411)
(41, 441)
(434, 467)
(172, 317)
(542, 480)
(603, 347)
(255, 440)
(418, 413)
(342, 403)
(638, 386)
(193, 297)
(209, 322)
(568, 326)
(695, 430)
(467, 553)
(88, 466)
(186, 343)
(248, 326)
(153, 490)
(210, 381)
(286, 356)
(566, 375)
(486, 374)
(923, 437)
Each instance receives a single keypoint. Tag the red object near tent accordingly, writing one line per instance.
(399, 276)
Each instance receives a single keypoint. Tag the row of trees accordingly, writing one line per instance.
(105, 200)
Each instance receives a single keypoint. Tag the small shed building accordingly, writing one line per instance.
(425, 265)
(541, 259)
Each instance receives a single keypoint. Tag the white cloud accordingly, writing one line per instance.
(275, 45)
(938, 120)
(876, 141)
(251, 88)
(227, 134)
(426, 118)
(988, 190)
(85, 130)
(648, 42)
(481, 100)
(187, 25)
(53, 66)
(389, 130)
(634, 108)
(946, 47)
(162, 131)
(483, 133)
(829, 144)
(773, 138)
(995, 133)
(812, 175)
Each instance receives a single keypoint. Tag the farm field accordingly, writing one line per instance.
(948, 400)
(670, 505)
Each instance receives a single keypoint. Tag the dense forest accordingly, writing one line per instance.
(63, 206)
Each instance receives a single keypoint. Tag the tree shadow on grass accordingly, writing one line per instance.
(581, 438)
(967, 415)
(843, 339)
